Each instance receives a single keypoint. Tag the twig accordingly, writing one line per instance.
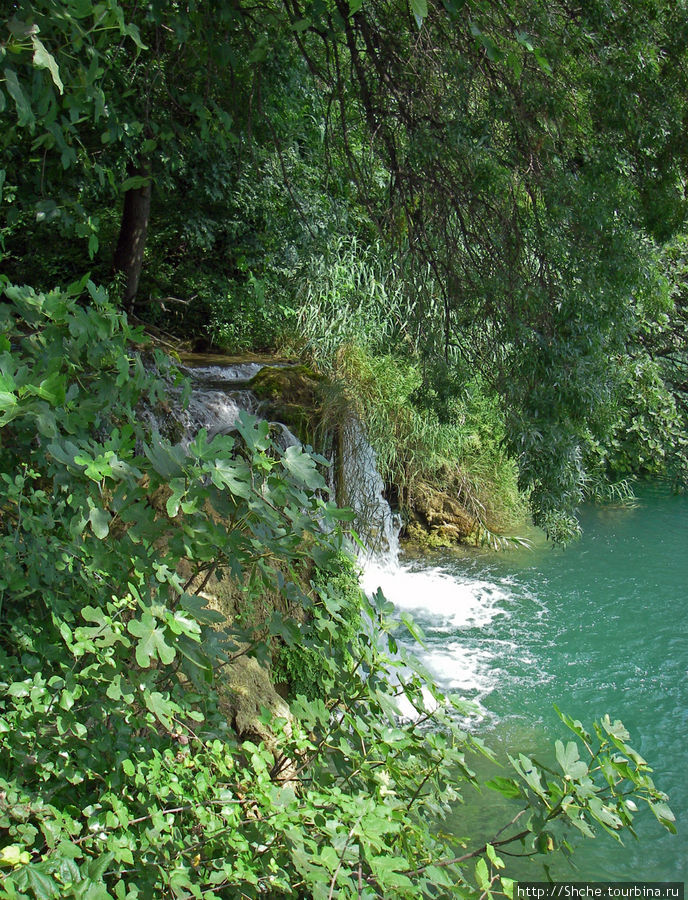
(341, 858)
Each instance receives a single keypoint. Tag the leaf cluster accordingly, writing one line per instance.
(120, 774)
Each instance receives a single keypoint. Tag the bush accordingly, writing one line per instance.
(313, 666)
(121, 776)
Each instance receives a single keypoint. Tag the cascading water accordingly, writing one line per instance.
(517, 631)
(362, 488)
(442, 603)
(218, 397)
(445, 605)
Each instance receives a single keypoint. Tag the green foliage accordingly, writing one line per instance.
(477, 207)
(350, 294)
(425, 429)
(474, 188)
(120, 775)
(313, 666)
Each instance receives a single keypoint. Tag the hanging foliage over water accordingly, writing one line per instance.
(123, 774)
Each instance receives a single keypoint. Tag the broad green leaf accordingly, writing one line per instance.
(42, 885)
(44, 60)
(573, 724)
(132, 31)
(135, 183)
(569, 759)
(100, 522)
(232, 474)
(505, 786)
(302, 467)
(96, 868)
(492, 856)
(482, 876)
(615, 729)
(166, 460)
(178, 488)
(162, 708)
(151, 641)
(413, 629)
(603, 814)
(255, 432)
(419, 8)
(530, 774)
(53, 389)
(542, 61)
(13, 855)
(339, 514)
(664, 814)
(388, 870)
(80, 9)
(199, 609)
(24, 112)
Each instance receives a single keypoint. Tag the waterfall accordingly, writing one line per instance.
(362, 488)
(451, 607)
(218, 396)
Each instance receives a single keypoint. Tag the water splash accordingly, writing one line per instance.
(362, 488)
(222, 375)
(215, 410)
(218, 397)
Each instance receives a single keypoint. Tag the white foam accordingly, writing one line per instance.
(450, 607)
(225, 374)
(216, 411)
(461, 668)
(446, 600)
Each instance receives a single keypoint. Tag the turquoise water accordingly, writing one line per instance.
(600, 627)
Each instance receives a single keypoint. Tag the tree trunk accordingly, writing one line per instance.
(128, 257)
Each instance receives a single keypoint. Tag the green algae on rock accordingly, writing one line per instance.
(292, 395)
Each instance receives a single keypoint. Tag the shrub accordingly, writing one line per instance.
(121, 776)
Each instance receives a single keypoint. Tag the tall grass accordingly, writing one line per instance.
(356, 294)
(374, 327)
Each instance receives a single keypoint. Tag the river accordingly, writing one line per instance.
(598, 627)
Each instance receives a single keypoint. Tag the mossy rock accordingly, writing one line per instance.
(426, 539)
(292, 395)
(437, 518)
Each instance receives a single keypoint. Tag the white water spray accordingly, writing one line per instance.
(218, 397)
(447, 605)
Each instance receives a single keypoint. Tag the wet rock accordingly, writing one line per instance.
(292, 395)
(436, 517)
(246, 691)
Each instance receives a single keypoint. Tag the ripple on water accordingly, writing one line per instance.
(598, 628)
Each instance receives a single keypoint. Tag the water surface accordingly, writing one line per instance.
(599, 627)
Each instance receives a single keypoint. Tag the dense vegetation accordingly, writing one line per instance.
(472, 215)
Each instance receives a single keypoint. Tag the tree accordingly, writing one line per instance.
(497, 152)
